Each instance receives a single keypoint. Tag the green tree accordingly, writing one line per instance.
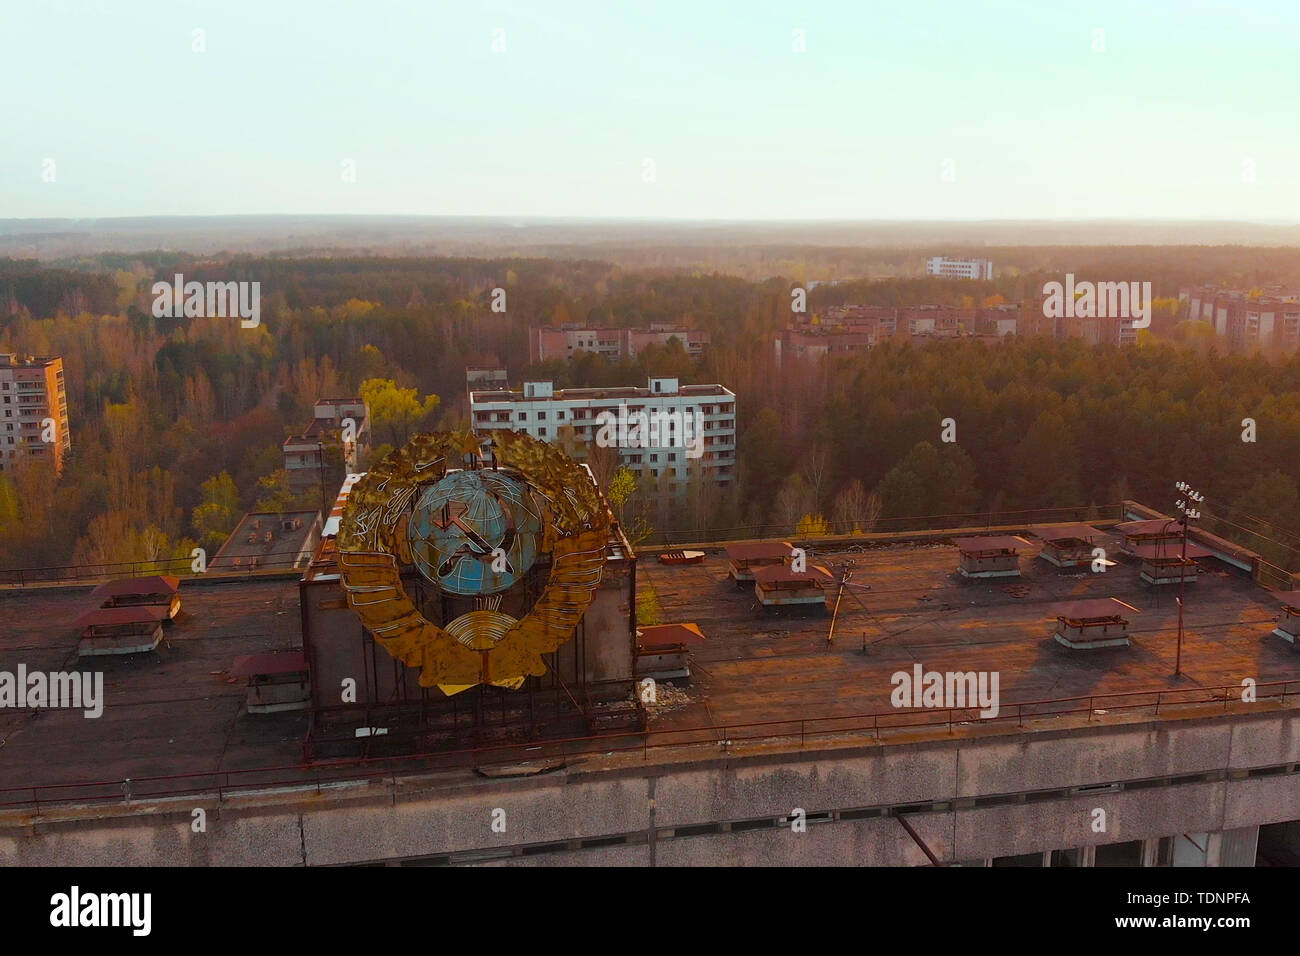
(1271, 506)
(276, 496)
(1046, 466)
(648, 611)
(621, 487)
(930, 481)
(395, 413)
(217, 513)
(625, 488)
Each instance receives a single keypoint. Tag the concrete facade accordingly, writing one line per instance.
(33, 411)
(983, 793)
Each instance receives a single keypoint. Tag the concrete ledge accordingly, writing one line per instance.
(1085, 645)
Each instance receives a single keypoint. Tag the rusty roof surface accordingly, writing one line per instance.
(750, 550)
(129, 587)
(178, 710)
(1094, 608)
(173, 710)
(1170, 549)
(1150, 526)
(991, 542)
(1065, 532)
(907, 604)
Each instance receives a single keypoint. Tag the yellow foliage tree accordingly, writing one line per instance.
(811, 526)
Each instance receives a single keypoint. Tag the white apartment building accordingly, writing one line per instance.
(947, 268)
(541, 411)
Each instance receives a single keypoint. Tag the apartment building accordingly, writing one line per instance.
(304, 454)
(1098, 330)
(846, 329)
(542, 411)
(33, 411)
(1250, 320)
(545, 342)
(949, 268)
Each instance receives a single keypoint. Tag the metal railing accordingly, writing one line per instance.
(181, 567)
(888, 526)
(321, 775)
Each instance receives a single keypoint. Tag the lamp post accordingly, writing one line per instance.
(1187, 505)
(320, 477)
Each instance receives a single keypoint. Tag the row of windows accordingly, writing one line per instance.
(589, 431)
(580, 414)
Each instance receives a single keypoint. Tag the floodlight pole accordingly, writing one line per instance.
(1185, 505)
(1182, 577)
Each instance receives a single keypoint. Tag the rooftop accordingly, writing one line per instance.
(906, 604)
(173, 711)
(14, 360)
(990, 542)
(479, 396)
(1067, 532)
(315, 432)
(179, 710)
(275, 539)
(1093, 609)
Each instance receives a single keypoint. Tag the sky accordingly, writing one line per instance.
(676, 109)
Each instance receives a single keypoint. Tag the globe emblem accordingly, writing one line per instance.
(474, 532)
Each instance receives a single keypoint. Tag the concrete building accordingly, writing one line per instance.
(999, 320)
(1250, 320)
(33, 411)
(541, 410)
(545, 342)
(841, 330)
(1098, 330)
(1188, 773)
(336, 422)
(819, 343)
(1092, 330)
(266, 541)
(950, 268)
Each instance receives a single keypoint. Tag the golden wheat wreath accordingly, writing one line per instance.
(483, 646)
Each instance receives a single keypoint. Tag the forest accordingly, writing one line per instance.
(177, 423)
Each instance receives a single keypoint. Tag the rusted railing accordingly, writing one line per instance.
(321, 774)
